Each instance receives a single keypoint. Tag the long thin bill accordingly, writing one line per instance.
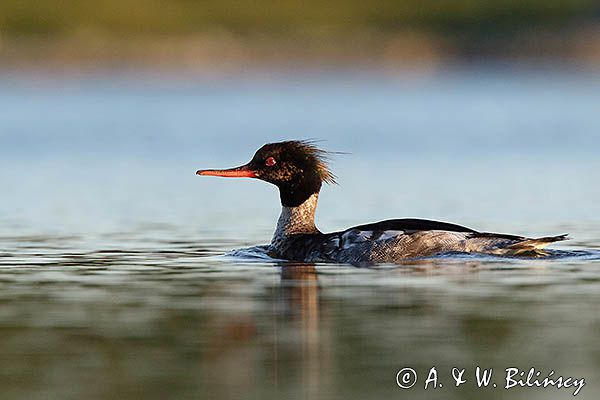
(239, 172)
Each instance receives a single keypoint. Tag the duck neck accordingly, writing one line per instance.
(296, 220)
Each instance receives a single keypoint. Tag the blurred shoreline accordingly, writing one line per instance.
(222, 52)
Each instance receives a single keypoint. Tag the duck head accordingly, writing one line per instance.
(297, 168)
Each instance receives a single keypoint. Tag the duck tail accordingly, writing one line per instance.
(534, 246)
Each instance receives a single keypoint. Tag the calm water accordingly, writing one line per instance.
(117, 278)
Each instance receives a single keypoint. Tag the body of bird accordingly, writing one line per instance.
(298, 169)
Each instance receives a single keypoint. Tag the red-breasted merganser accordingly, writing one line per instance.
(298, 169)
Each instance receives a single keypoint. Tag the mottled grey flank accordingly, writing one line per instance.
(297, 238)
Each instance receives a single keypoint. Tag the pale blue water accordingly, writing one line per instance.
(116, 272)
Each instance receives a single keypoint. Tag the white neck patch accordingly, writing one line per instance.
(299, 219)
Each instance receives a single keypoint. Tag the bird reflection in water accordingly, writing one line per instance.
(283, 344)
(299, 311)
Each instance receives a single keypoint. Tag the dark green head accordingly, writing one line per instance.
(297, 168)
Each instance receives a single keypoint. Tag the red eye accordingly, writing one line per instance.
(270, 162)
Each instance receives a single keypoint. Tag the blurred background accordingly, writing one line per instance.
(208, 35)
(116, 279)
